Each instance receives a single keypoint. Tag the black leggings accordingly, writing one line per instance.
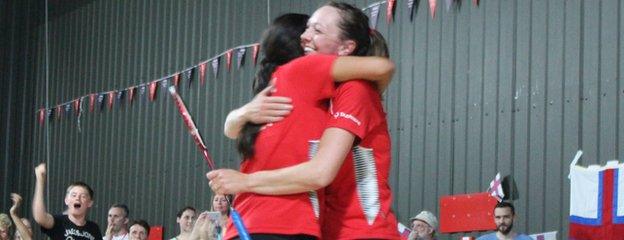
(279, 237)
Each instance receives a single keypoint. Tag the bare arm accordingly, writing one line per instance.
(40, 214)
(317, 173)
(377, 69)
(19, 225)
(263, 108)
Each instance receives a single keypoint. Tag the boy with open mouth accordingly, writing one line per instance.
(74, 224)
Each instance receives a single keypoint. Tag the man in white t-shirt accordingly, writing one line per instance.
(117, 228)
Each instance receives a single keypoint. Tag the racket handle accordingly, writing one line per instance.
(240, 226)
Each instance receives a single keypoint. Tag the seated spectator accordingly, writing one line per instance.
(139, 230)
(78, 199)
(504, 216)
(423, 226)
(185, 219)
(117, 228)
(5, 227)
(22, 225)
(221, 204)
(209, 226)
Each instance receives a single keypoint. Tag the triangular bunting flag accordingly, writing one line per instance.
(228, 59)
(176, 80)
(202, 73)
(67, 108)
(410, 8)
(120, 96)
(111, 99)
(165, 84)
(374, 16)
(187, 76)
(59, 112)
(256, 49)
(215, 67)
(390, 11)
(50, 114)
(240, 54)
(448, 4)
(100, 101)
(432, 8)
(131, 94)
(153, 87)
(142, 92)
(91, 102)
(41, 116)
(77, 106)
(475, 2)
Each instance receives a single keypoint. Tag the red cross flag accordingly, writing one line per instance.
(496, 188)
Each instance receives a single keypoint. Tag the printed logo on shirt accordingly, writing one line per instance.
(73, 233)
(347, 116)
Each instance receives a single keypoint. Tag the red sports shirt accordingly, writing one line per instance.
(358, 201)
(307, 80)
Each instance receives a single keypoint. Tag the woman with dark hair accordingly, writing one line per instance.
(185, 219)
(358, 198)
(309, 82)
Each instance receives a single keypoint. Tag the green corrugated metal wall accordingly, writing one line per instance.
(509, 86)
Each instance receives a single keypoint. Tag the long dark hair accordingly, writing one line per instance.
(280, 43)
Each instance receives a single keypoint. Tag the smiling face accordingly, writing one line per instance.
(186, 221)
(323, 35)
(78, 201)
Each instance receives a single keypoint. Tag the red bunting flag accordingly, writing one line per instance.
(475, 2)
(153, 87)
(256, 49)
(131, 94)
(176, 79)
(202, 73)
(41, 116)
(432, 8)
(228, 58)
(390, 10)
(91, 102)
(77, 106)
(111, 99)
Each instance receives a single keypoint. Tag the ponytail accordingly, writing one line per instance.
(280, 44)
(378, 46)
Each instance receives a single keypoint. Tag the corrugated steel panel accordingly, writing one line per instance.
(509, 86)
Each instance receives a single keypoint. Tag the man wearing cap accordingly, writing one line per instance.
(423, 226)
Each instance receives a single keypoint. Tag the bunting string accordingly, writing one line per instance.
(149, 89)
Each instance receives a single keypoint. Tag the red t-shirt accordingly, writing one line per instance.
(308, 82)
(358, 201)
